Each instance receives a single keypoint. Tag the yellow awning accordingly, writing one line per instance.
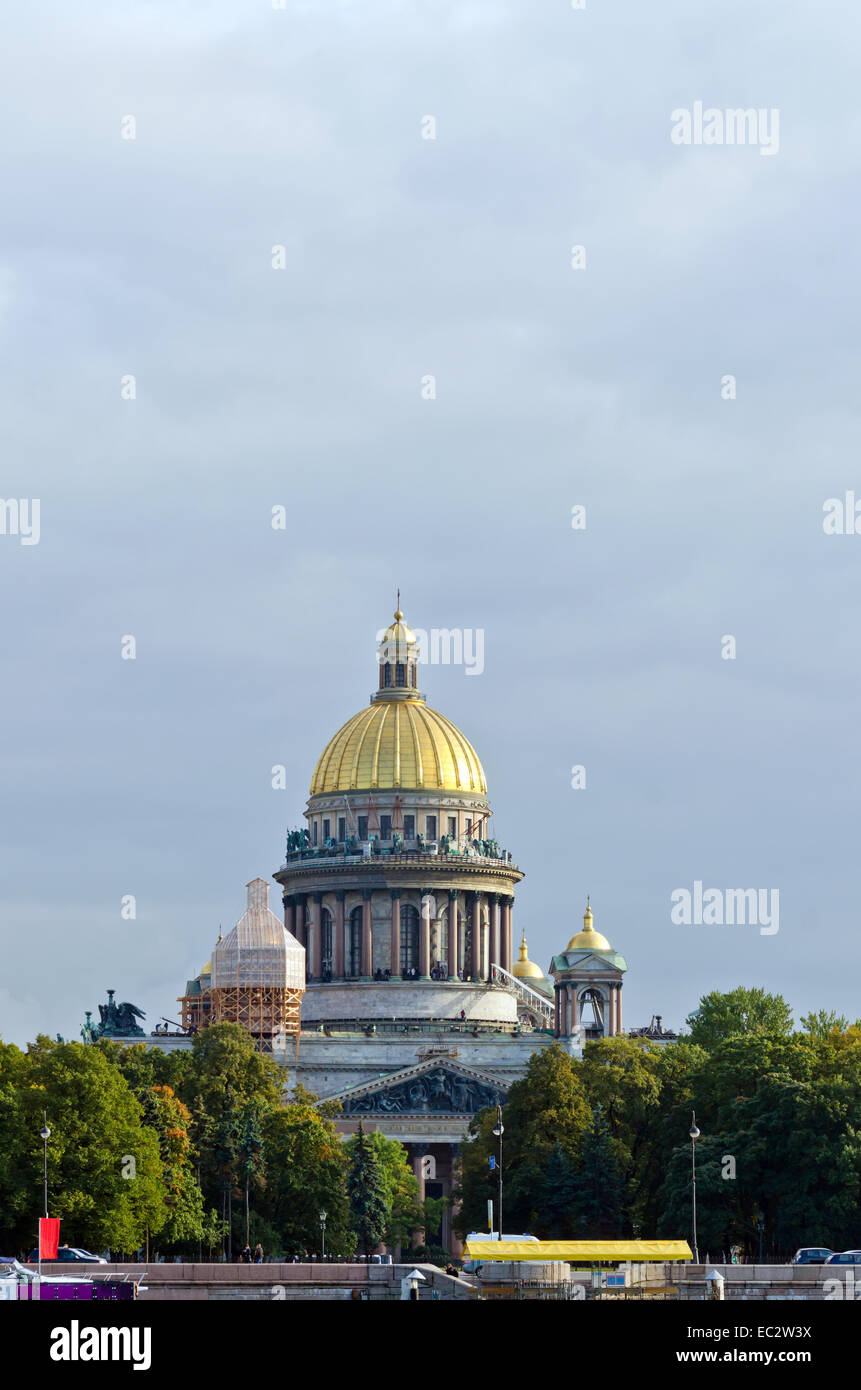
(579, 1250)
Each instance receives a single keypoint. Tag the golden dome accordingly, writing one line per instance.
(398, 631)
(524, 968)
(399, 743)
(588, 939)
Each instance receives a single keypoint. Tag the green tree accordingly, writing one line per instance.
(104, 1167)
(778, 1116)
(166, 1115)
(476, 1184)
(677, 1068)
(224, 1055)
(742, 1010)
(400, 1184)
(721, 1222)
(821, 1024)
(366, 1190)
(306, 1174)
(545, 1108)
(225, 1083)
(144, 1066)
(251, 1160)
(557, 1190)
(600, 1188)
(432, 1212)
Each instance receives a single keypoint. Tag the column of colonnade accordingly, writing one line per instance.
(395, 954)
(340, 931)
(367, 937)
(424, 937)
(453, 931)
(317, 936)
(494, 929)
(489, 916)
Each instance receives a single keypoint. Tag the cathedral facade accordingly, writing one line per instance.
(417, 1011)
(393, 985)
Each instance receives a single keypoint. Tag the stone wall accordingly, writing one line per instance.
(277, 1282)
(419, 999)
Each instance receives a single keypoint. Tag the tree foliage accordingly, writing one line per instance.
(104, 1168)
(400, 1187)
(366, 1189)
(742, 1010)
(601, 1146)
(306, 1174)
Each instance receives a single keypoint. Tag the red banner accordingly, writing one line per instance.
(49, 1236)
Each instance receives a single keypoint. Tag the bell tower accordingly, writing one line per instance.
(587, 980)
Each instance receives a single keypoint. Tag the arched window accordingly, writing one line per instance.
(400, 673)
(354, 954)
(327, 941)
(593, 999)
(409, 938)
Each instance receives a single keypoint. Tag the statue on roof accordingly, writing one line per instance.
(117, 1021)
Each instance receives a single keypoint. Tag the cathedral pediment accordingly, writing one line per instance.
(433, 1087)
(587, 961)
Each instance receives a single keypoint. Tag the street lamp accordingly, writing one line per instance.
(695, 1134)
(45, 1135)
(323, 1215)
(499, 1130)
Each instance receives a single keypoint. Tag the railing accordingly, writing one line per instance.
(316, 853)
(433, 1027)
(534, 1001)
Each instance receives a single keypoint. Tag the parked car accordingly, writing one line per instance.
(811, 1255)
(72, 1254)
(845, 1257)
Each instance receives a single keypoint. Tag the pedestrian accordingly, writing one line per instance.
(258, 1254)
(245, 1257)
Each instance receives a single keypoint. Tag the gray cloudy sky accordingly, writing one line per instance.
(301, 387)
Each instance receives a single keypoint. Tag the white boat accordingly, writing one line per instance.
(19, 1281)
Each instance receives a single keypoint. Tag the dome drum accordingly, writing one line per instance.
(397, 1003)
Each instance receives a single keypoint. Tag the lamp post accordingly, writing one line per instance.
(323, 1215)
(44, 1134)
(499, 1130)
(760, 1226)
(695, 1134)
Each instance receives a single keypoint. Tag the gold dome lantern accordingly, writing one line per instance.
(588, 939)
(398, 742)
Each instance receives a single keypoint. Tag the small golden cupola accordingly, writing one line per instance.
(524, 968)
(398, 656)
(588, 939)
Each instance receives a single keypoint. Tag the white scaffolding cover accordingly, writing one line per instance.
(259, 951)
